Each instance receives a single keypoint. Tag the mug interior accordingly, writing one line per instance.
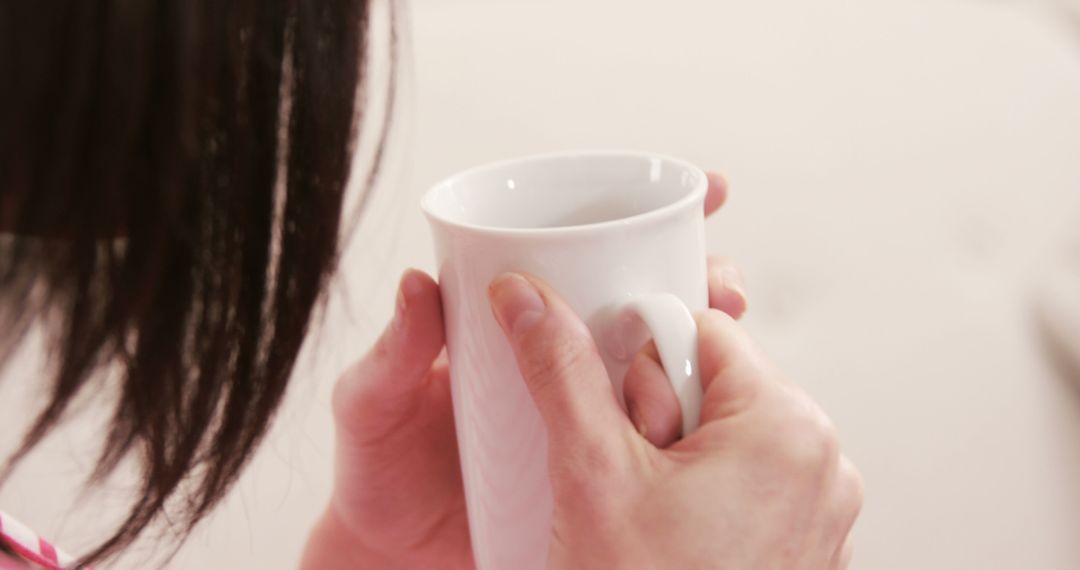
(565, 190)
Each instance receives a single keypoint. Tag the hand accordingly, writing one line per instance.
(398, 500)
(761, 483)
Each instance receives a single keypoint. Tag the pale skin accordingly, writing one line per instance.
(761, 484)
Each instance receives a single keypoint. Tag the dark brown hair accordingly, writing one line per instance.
(173, 173)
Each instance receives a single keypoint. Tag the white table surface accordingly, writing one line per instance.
(902, 173)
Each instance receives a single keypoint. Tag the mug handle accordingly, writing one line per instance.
(675, 333)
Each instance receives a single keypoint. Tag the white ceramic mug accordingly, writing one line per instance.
(620, 236)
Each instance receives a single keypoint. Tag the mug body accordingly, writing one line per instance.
(601, 228)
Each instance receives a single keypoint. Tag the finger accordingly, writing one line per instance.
(847, 498)
(650, 401)
(726, 291)
(842, 559)
(387, 379)
(716, 194)
(733, 371)
(558, 361)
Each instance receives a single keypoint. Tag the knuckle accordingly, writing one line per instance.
(357, 387)
(825, 431)
(350, 393)
(342, 400)
(553, 357)
(714, 322)
(812, 443)
(805, 454)
(854, 486)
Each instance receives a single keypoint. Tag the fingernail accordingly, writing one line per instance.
(516, 303)
(733, 279)
(409, 286)
(399, 309)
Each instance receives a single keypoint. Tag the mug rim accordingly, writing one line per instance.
(697, 193)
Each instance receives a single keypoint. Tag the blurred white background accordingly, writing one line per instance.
(903, 174)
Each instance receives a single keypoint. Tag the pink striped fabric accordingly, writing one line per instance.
(30, 546)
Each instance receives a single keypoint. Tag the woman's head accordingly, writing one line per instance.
(171, 183)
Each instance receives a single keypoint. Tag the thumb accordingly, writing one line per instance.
(388, 380)
(559, 363)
